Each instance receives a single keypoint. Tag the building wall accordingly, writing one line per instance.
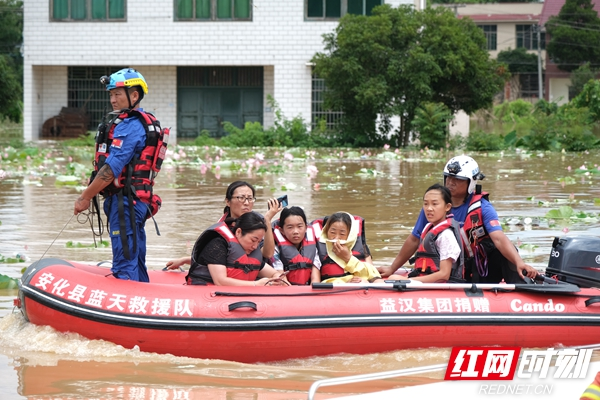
(558, 90)
(278, 38)
(500, 8)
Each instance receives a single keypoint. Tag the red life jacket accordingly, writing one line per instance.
(299, 263)
(329, 268)
(239, 264)
(427, 257)
(140, 173)
(474, 233)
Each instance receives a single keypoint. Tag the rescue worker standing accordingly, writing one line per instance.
(126, 162)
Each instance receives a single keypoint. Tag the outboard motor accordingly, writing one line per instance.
(576, 260)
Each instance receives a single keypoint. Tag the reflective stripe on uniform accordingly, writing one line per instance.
(591, 393)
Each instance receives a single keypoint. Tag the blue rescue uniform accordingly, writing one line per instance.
(129, 140)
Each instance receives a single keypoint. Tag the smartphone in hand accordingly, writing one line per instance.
(283, 200)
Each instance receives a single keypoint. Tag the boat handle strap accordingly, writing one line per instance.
(592, 300)
(241, 304)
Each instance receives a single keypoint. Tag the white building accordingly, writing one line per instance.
(206, 61)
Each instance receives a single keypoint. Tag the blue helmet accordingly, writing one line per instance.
(125, 78)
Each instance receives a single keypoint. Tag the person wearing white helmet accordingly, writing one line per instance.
(490, 256)
(129, 152)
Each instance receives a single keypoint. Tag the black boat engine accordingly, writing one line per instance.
(576, 260)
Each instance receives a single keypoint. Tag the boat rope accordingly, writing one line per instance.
(61, 231)
(88, 217)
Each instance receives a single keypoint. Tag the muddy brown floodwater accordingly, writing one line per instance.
(384, 187)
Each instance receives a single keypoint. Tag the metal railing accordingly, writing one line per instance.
(371, 377)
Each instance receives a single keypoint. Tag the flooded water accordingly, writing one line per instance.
(384, 187)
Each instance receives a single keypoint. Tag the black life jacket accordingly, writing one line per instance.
(239, 264)
(329, 268)
(299, 263)
(427, 257)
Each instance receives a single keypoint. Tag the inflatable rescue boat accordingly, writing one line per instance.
(259, 324)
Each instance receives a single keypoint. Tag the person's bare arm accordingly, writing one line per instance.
(268, 248)
(410, 246)
(104, 177)
(177, 263)
(438, 276)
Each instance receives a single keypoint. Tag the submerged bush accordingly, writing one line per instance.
(479, 140)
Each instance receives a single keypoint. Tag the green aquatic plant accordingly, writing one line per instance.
(370, 173)
(78, 245)
(12, 260)
(6, 282)
(563, 212)
(566, 214)
(567, 180)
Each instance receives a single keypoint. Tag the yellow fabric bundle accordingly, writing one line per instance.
(354, 266)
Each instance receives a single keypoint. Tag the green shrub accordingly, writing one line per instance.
(86, 140)
(479, 140)
(204, 139)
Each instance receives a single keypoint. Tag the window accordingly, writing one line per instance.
(88, 10)
(334, 9)
(87, 93)
(529, 82)
(527, 37)
(491, 34)
(213, 10)
(320, 115)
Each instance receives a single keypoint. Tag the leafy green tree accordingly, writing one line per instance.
(397, 59)
(589, 98)
(10, 92)
(11, 61)
(518, 60)
(431, 125)
(580, 77)
(574, 35)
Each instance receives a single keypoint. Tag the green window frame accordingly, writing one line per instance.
(88, 10)
(213, 10)
(527, 37)
(335, 9)
(491, 35)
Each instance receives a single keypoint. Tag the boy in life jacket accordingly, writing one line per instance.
(343, 249)
(490, 256)
(438, 258)
(296, 247)
(129, 154)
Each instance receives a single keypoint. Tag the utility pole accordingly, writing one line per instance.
(539, 49)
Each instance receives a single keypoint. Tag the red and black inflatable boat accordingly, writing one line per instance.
(258, 324)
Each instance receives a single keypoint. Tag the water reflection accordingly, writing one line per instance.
(37, 362)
